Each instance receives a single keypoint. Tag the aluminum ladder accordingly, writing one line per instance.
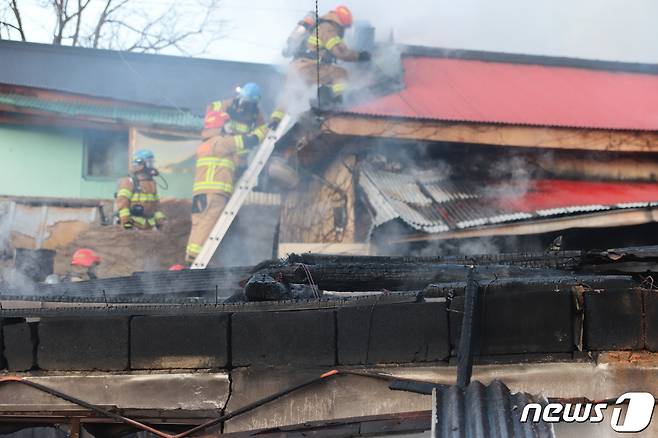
(247, 182)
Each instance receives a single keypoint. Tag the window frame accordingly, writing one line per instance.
(86, 151)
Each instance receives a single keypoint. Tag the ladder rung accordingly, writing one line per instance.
(247, 182)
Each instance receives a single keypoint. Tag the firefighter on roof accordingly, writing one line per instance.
(137, 200)
(231, 128)
(321, 42)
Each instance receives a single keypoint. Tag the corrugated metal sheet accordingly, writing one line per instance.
(480, 411)
(396, 196)
(497, 92)
(434, 206)
(144, 116)
(155, 79)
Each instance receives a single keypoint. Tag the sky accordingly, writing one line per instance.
(618, 30)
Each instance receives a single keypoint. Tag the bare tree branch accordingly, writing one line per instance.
(130, 25)
(82, 5)
(19, 21)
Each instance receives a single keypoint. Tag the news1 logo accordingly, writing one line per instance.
(638, 413)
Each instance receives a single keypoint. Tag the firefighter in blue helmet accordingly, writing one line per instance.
(137, 200)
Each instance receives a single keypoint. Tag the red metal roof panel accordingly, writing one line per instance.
(520, 94)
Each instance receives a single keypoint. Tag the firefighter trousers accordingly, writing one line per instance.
(303, 74)
(206, 209)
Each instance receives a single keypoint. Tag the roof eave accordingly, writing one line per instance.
(605, 219)
(487, 133)
(48, 117)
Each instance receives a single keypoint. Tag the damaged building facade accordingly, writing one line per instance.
(457, 211)
(423, 159)
(167, 354)
(480, 152)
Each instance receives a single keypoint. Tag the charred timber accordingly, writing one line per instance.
(371, 276)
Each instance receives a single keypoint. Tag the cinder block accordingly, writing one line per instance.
(400, 333)
(18, 345)
(84, 343)
(613, 320)
(283, 338)
(186, 341)
(651, 319)
(519, 318)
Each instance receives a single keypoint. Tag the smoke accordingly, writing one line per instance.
(512, 177)
(5, 228)
(296, 94)
(495, 186)
(594, 29)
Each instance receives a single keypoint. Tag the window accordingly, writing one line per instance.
(106, 154)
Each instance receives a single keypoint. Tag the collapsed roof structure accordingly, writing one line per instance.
(487, 147)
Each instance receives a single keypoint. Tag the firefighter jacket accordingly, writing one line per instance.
(222, 148)
(329, 39)
(224, 118)
(138, 203)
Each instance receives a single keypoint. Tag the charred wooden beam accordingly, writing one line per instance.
(371, 275)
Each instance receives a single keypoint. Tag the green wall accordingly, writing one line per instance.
(48, 162)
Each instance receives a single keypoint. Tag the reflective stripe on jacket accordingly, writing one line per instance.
(147, 196)
(329, 41)
(231, 126)
(216, 163)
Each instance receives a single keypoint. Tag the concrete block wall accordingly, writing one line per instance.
(547, 322)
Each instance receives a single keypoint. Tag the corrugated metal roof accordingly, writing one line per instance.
(479, 411)
(163, 80)
(517, 94)
(143, 116)
(439, 205)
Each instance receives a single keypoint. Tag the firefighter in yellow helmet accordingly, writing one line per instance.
(323, 41)
(231, 128)
(137, 199)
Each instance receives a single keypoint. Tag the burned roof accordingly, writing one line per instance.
(427, 202)
(171, 81)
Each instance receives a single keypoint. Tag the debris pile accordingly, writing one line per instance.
(127, 251)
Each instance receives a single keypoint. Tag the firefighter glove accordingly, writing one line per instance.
(251, 141)
(274, 123)
(364, 56)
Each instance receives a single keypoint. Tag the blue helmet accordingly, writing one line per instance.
(143, 156)
(249, 92)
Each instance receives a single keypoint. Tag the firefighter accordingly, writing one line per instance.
(83, 265)
(323, 42)
(231, 128)
(137, 199)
